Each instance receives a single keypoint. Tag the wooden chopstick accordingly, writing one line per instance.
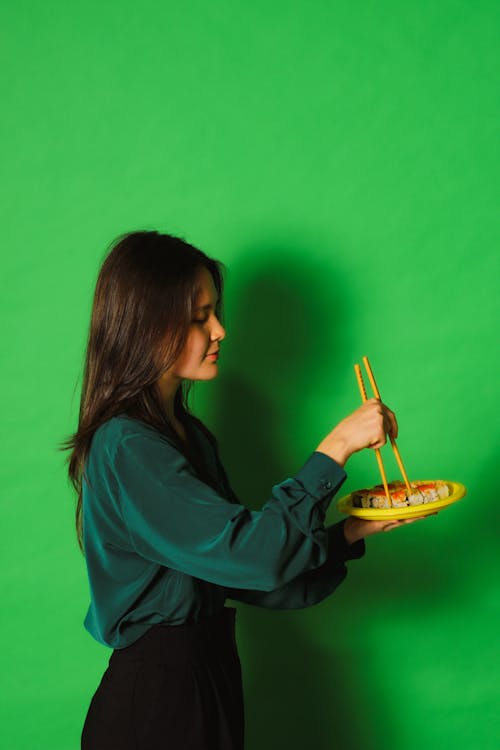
(362, 390)
(393, 442)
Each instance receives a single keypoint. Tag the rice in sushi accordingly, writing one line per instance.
(423, 492)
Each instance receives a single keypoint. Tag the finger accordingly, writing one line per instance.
(394, 422)
(390, 424)
(379, 443)
(417, 518)
(401, 522)
(404, 521)
(391, 528)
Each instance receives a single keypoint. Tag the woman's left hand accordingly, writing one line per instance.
(357, 528)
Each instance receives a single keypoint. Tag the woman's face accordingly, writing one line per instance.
(196, 362)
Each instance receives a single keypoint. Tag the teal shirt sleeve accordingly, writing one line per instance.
(313, 586)
(176, 520)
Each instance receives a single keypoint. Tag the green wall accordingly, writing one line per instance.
(340, 158)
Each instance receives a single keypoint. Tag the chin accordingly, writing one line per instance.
(208, 375)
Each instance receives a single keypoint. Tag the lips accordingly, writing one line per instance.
(212, 353)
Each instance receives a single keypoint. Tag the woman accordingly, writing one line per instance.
(165, 539)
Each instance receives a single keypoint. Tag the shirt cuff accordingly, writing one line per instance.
(338, 548)
(321, 476)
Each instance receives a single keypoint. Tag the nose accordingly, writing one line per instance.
(218, 332)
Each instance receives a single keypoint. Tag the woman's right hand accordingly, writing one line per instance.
(366, 427)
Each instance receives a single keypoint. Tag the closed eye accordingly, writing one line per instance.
(201, 321)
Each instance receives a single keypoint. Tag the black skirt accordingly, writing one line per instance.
(178, 687)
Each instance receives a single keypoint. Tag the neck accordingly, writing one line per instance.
(167, 393)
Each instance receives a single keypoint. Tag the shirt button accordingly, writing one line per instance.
(327, 485)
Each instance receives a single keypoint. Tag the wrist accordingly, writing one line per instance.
(335, 449)
(338, 451)
(350, 534)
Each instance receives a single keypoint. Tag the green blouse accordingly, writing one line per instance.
(163, 546)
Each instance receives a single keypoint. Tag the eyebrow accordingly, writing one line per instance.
(207, 307)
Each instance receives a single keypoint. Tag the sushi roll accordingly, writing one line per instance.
(423, 492)
(428, 490)
(361, 499)
(376, 497)
(415, 497)
(442, 489)
(433, 491)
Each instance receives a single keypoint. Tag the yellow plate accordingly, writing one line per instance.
(457, 491)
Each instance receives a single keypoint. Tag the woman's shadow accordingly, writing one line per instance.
(289, 326)
(296, 693)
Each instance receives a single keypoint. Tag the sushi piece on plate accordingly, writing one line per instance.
(421, 493)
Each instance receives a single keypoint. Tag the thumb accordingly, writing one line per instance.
(391, 526)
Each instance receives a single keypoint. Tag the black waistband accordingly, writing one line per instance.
(211, 637)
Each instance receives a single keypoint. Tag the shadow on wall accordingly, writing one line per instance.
(296, 694)
(276, 326)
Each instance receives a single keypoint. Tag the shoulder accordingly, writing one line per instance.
(123, 430)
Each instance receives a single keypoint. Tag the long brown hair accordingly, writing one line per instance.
(141, 315)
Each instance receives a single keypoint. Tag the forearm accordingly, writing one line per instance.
(311, 587)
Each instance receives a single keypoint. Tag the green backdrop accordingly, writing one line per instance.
(339, 158)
